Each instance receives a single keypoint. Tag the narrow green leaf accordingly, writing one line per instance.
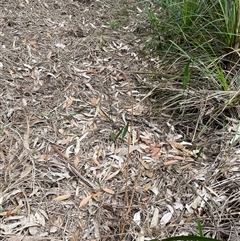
(125, 130)
(118, 134)
(190, 238)
(200, 152)
(200, 228)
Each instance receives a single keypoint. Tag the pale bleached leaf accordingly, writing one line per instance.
(39, 218)
(53, 229)
(189, 209)
(77, 147)
(118, 158)
(170, 208)
(33, 230)
(140, 235)
(137, 217)
(16, 238)
(185, 143)
(112, 175)
(10, 112)
(26, 171)
(196, 202)
(44, 213)
(154, 221)
(24, 102)
(28, 238)
(134, 137)
(25, 141)
(178, 205)
(124, 151)
(166, 218)
(60, 45)
(66, 140)
(59, 175)
(68, 151)
(155, 190)
(83, 136)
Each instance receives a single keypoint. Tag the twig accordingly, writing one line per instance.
(73, 170)
(144, 121)
(124, 212)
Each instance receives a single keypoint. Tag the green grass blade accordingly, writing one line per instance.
(125, 130)
(121, 133)
(199, 154)
(118, 134)
(190, 238)
(200, 228)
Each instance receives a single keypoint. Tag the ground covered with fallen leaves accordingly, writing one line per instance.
(81, 155)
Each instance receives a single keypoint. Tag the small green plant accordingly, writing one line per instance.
(190, 238)
(230, 13)
(115, 24)
(122, 133)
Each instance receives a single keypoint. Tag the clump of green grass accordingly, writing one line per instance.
(200, 40)
(203, 32)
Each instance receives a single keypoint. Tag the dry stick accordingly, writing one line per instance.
(124, 212)
(73, 170)
(133, 192)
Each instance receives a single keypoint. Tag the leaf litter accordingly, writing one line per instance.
(64, 90)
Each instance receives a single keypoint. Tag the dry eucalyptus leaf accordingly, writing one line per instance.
(85, 200)
(75, 161)
(154, 221)
(144, 164)
(75, 236)
(108, 190)
(26, 171)
(62, 197)
(39, 218)
(166, 218)
(29, 238)
(77, 147)
(33, 230)
(53, 229)
(16, 238)
(137, 217)
(112, 175)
